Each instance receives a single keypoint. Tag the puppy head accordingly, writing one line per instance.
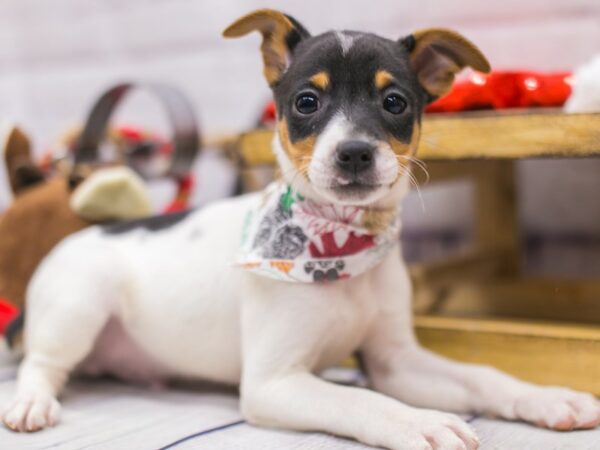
(349, 104)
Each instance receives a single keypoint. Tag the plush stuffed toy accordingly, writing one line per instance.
(504, 90)
(37, 219)
(45, 210)
(81, 191)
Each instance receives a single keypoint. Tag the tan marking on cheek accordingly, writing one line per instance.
(405, 151)
(300, 152)
(404, 148)
(383, 79)
(320, 80)
(414, 140)
(399, 147)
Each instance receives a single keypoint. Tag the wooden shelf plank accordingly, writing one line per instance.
(541, 352)
(528, 298)
(510, 135)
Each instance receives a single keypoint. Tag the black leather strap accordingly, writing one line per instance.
(186, 138)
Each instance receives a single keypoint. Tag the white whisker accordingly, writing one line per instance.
(419, 163)
(413, 181)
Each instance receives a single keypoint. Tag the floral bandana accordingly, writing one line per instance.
(291, 238)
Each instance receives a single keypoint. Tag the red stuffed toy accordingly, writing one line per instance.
(502, 90)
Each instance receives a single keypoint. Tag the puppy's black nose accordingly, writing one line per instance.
(354, 156)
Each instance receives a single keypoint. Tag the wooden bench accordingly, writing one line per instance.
(480, 307)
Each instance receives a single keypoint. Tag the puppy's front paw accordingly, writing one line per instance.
(31, 412)
(432, 430)
(559, 409)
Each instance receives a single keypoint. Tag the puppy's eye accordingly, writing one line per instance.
(307, 103)
(394, 104)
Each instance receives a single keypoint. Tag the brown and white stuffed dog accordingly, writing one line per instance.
(46, 209)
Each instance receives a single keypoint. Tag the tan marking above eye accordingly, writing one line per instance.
(299, 152)
(383, 79)
(320, 80)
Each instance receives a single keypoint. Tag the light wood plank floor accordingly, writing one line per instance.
(106, 415)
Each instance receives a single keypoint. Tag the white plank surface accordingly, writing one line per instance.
(497, 435)
(105, 415)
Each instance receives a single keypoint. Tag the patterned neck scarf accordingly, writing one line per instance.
(291, 238)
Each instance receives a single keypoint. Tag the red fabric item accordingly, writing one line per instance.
(505, 89)
(7, 313)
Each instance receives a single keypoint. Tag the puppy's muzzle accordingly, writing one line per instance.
(354, 157)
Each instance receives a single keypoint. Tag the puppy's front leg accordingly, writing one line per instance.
(301, 401)
(398, 367)
(284, 337)
(427, 380)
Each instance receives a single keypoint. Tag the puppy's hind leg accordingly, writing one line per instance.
(68, 304)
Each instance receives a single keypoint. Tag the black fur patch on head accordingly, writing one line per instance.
(153, 223)
(351, 90)
(409, 42)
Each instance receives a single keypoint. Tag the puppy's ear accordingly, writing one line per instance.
(280, 33)
(22, 172)
(437, 55)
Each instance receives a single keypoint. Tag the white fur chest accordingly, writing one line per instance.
(320, 323)
(350, 316)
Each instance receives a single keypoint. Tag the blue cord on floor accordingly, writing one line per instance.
(202, 433)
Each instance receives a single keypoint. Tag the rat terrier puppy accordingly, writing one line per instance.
(318, 273)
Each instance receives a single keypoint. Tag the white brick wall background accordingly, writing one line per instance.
(55, 56)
